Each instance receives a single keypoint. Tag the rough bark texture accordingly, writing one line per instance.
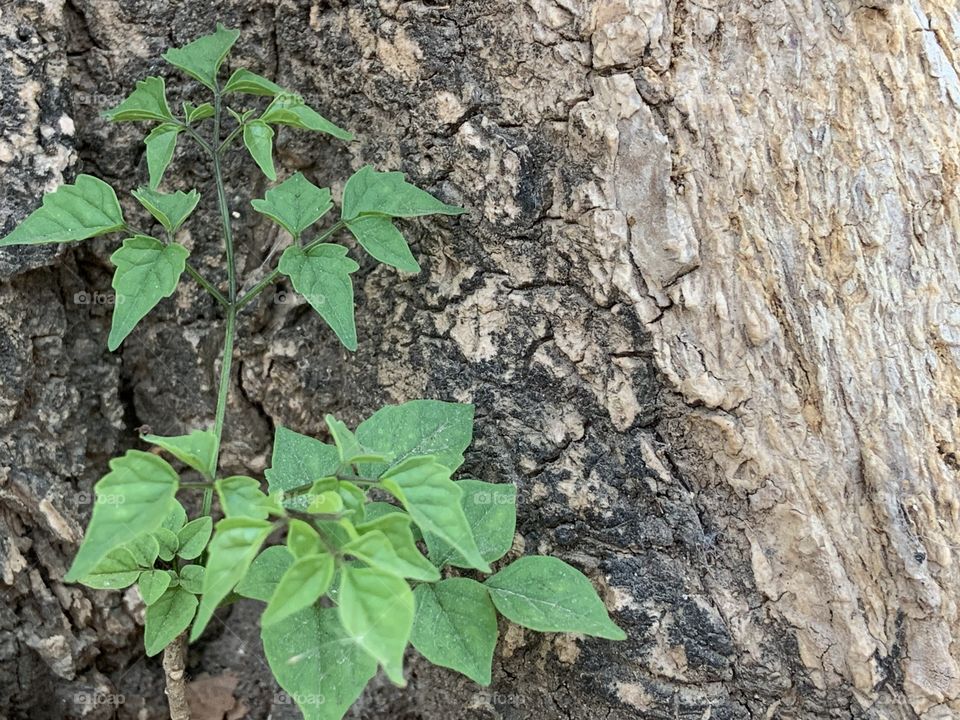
(706, 300)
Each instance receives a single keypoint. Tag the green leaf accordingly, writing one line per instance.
(378, 236)
(201, 59)
(376, 510)
(433, 501)
(240, 496)
(419, 428)
(258, 137)
(302, 539)
(133, 498)
(264, 574)
(193, 537)
(322, 276)
(147, 102)
(387, 193)
(145, 549)
(245, 81)
(456, 627)
(193, 113)
(317, 663)
(234, 546)
(354, 500)
(350, 450)
(301, 586)
(176, 517)
(376, 609)
(170, 210)
(326, 502)
(147, 272)
(289, 109)
(119, 569)
(191, 578)
(83, 210)
(545, 594)
(407, 560)
(153, 584)
(299, 460)
(161, 142)
(196, 450)
(168, 543)
(491, 511)
(374, 549)
(168, 617)
(295, 204)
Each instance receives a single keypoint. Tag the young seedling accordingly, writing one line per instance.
(350, 586)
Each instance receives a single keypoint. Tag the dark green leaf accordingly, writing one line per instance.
(245, 81)
(201, 59)
(191, 578)
(171, 209)
(264, 574)
(145, 549)
(258, 137)
(147, 272)
(193, 537)
(547, 595)
(433, 501)
(119, 569)
(378, 236)
(289, 109)
(317, 663)
(387, 193)
(234, 546)
(161, 142)
(419, 428)
(147, 102)
(301, 586)
(168, 617)
(322, 276)
(152, 584)
(176, 517)
(133, 498)
(456, 627)
(240, 496)
(86, 209)
(491, 510)
(168, 543)
(196, 450)
(295, 204)
(376, 609)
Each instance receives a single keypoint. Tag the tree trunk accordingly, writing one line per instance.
(706, 299)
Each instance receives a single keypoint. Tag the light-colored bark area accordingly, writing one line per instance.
(706, 301)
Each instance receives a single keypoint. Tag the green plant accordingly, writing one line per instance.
(350, 588)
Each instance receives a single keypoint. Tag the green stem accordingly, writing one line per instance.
(206, 285)
(275, 273)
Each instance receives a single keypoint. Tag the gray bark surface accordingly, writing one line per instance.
(706, 301)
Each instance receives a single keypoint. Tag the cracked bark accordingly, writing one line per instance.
(706, 301)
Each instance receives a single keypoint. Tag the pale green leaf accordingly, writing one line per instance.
(191, 578)
(196, 450)
(301, 586)
(161, 143)
(152, 584)
(299, 460)
(85, 209)
(456, 627)
(491, 511)
(376, 609)
(202, 58)
(289, 109)
(302, 539)
(168, 617)
(264, 574)
(119, 569)
(193, 537)
(325, 503)
(322, 276)
(245, 81)
(545, 594)
(170, 209)
(395, 526)
(193, 113)
(419, 428)
(258, 137)
(350, 450)
(317, 663)
(433, 501)
(168, 543)
(387, 193)
(147, 102)
(176, 516)
(295, 204)
(145, 549)
(379, 237)
(235, 544)
(147, 272)
(240, 496)
(133, 498)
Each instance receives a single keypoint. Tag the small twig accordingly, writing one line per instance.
(174, 670)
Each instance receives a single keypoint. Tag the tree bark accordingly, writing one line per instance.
(706, 300)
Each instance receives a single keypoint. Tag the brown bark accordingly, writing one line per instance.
(174, 673)
(706, 301)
